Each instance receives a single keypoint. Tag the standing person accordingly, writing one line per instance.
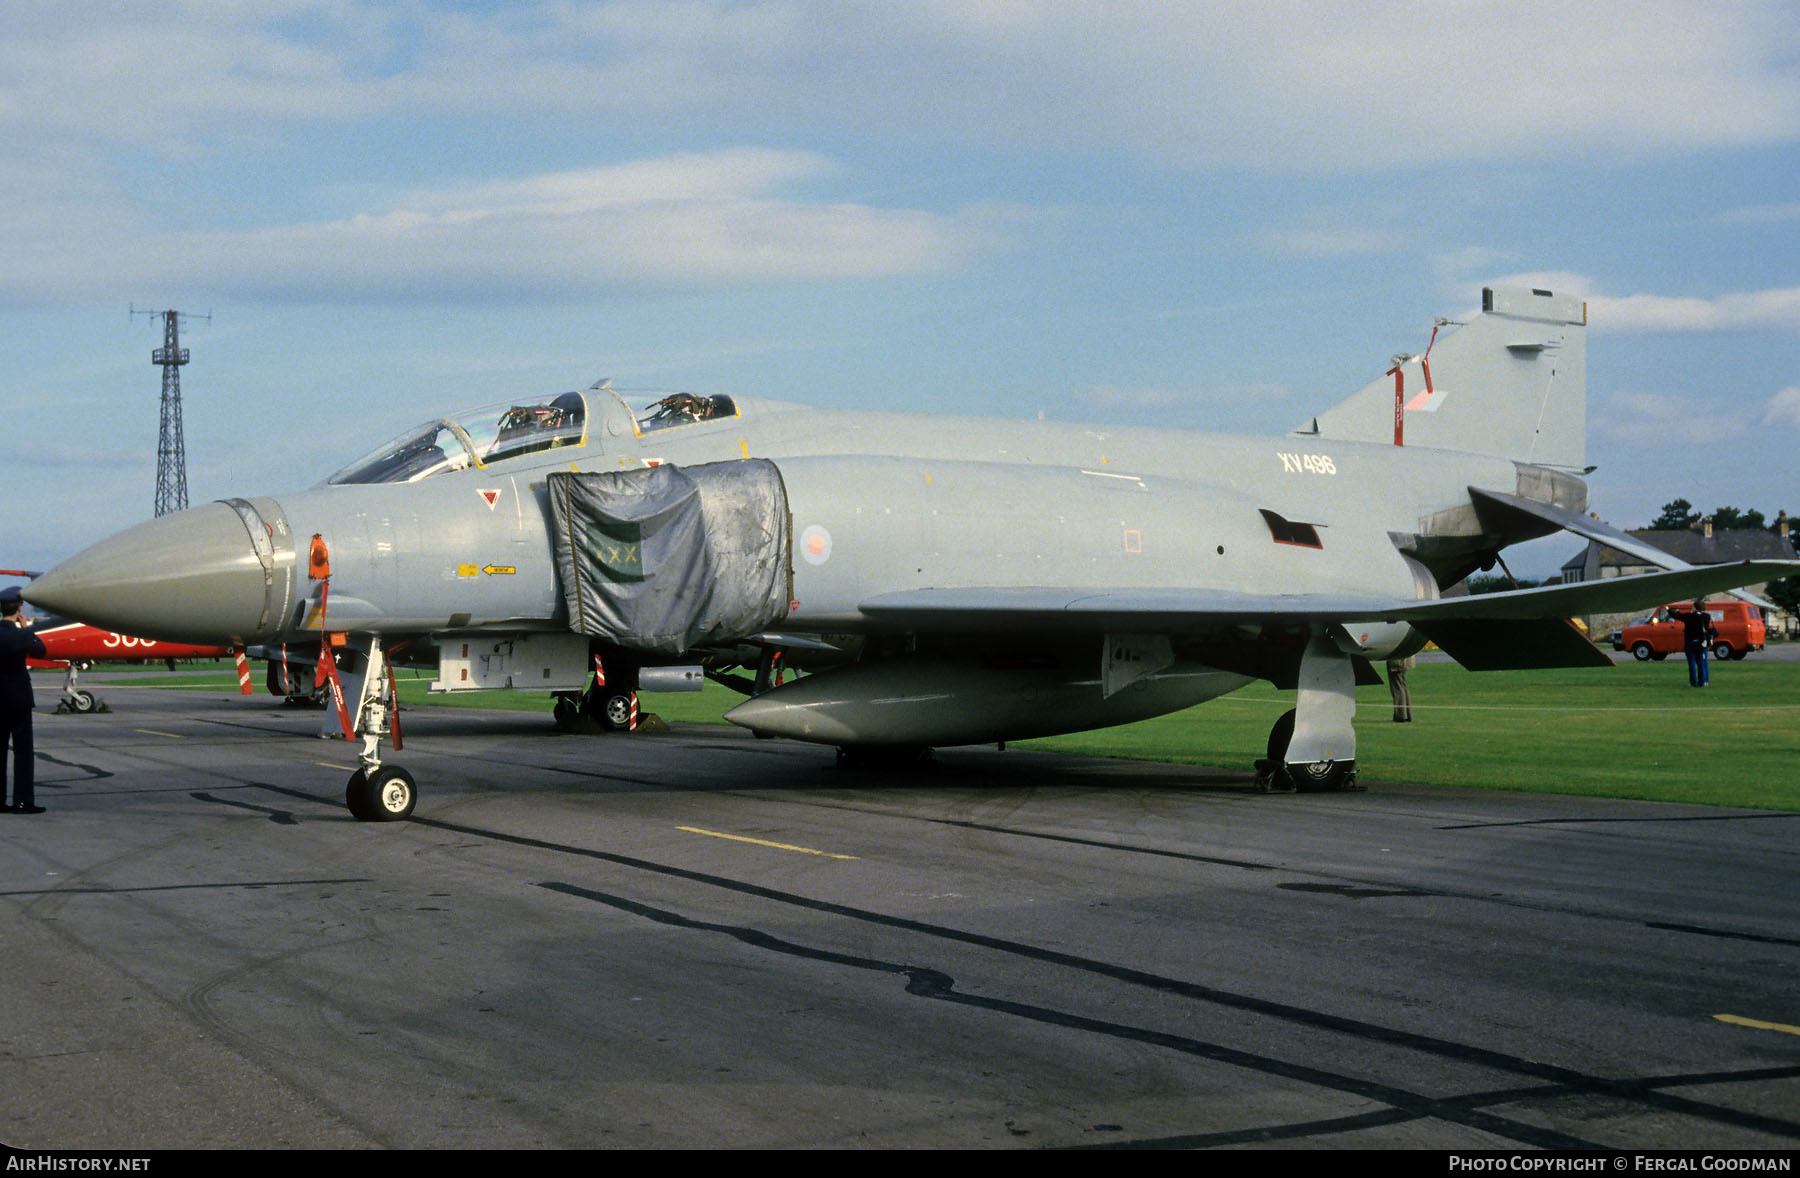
(17, 643)
(1397, 669)
(1696, 638)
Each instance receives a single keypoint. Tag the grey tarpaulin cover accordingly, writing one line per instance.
(668, 558)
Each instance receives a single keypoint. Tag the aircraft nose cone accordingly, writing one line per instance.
(192, 576)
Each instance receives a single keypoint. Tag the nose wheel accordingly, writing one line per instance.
(387, 794)
(375, 792)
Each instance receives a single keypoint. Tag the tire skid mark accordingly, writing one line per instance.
(1637, 1091)
(924, 982)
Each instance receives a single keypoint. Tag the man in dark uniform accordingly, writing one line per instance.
(17, 643)
(1697, 634)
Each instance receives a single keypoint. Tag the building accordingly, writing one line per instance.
(1699, 545)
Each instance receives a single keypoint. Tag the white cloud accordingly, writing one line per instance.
(1757, 310)
(1777, 309)
(1783, 409)
(1237, 84)
(692, 220)
(731, 174)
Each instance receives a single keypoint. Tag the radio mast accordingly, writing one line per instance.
(171, 451)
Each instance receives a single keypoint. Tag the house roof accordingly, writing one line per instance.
(1722, 547)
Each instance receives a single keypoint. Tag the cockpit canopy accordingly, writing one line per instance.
(478, 437)
(684, 409)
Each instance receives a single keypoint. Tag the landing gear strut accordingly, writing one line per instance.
(1312, 748)
(78, 700)
(376, 792)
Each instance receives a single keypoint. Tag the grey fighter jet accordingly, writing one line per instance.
(955, 580)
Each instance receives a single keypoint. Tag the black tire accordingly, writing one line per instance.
(1722, 650)
(1641, 651)
(388, 795)
(276, 679)
(566, 712)
(82, 702)
(356, 796)
(1281, 734)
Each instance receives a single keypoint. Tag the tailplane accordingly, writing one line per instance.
(1511, 382)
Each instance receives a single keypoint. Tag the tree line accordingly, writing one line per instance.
(1678, 514)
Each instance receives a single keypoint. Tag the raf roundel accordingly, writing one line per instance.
(815, 544)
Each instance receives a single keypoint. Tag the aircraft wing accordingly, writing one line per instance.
(1489, 631)
(1185, 609)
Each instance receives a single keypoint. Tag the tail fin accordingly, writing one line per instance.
(1512, 382)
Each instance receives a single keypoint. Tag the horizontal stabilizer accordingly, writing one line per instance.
(1585, 526)
(1589, 528)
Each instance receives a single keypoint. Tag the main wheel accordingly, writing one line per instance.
(615, 710)
(1641, 651)
(1321, 776)
(1307, 776)
(387, 795)
(276, 679)
(82, 701)
(1722, 649)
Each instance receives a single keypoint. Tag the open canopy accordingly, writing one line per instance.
(477, 437)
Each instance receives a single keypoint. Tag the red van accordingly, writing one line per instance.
(1738, 630)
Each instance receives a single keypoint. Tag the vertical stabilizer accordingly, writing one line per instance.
(1511, 382)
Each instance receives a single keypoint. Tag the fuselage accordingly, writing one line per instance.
(880, 502)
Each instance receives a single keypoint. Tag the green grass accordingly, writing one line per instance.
(1636, 731)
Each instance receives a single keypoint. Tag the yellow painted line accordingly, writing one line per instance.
(1741, 1021)
(339, 768)
(738, 838)
(154, 732)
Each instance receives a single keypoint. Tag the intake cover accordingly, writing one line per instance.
(666, 559)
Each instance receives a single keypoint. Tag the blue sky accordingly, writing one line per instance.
(1223, 216)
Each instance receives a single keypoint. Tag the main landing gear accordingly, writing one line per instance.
(610, 702)
(1312, 747)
